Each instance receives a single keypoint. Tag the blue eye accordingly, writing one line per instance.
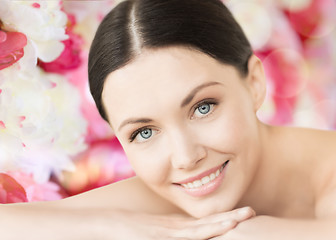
(204, 108)
(142, 134)
(146, 133)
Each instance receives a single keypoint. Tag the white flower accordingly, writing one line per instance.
(66, 102)
(10, 151)
(44, 26)
(89, 9)
(264, 24)
(42, 123)
(296, 5)
(255, 20)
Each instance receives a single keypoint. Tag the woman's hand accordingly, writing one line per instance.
(47, 220)
(129, 225)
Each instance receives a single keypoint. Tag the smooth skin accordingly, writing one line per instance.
(286, 173)
(177, 113)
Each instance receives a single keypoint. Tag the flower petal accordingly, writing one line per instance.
(14, 41)
(10, 190)
(11, 48)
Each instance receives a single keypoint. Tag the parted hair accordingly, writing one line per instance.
(135, 25)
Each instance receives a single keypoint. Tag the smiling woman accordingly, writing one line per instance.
(180, 87)
(176, 139)
(182, 99)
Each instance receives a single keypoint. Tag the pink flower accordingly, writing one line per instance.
(70, 57)
(315, 20)
(97, 127)
(103, 163)
(10, 190)
(11, 48)
(284, 69)
(48, 191)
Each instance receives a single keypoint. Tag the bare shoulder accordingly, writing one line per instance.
(315, 142)
(318, 148)
(312, 134)
(130, 194)
(314, 154)
(321, 146)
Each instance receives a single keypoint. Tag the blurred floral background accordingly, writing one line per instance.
(53, 143)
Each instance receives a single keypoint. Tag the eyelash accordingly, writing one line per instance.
(206, 101)
(136, 132)
(212, 102)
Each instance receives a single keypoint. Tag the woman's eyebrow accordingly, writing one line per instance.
(133, 121)
(185, 102)
(193, 93)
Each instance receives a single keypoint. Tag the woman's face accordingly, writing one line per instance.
(181, 116)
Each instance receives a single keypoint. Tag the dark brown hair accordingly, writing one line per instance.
(134, 25)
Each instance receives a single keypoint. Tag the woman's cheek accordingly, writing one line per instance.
(151, 163)
(222, 133)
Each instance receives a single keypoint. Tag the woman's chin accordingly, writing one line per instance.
(200, 213)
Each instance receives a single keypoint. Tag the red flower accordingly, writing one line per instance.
(284, 68)
(103, 163)
(309, 22)
(70, 57)
(10, 190)
(11, 48)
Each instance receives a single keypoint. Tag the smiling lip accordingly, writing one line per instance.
(206, 188)
(200, 176)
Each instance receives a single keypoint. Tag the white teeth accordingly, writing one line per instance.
(197, 183)
(204, 180)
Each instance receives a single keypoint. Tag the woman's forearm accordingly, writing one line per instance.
(31, 221)
(266, 228)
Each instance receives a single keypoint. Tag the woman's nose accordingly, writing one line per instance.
(186, 150)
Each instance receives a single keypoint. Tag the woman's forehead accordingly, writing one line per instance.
(160, 76)
(161, 68)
